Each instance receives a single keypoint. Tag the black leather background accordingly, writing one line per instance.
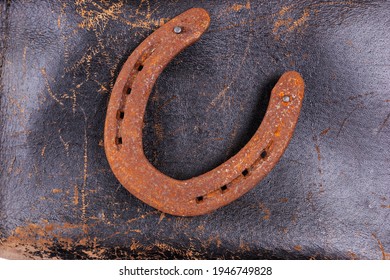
(328, 197)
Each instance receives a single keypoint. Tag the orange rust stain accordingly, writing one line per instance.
(162, 216)
(158, 128)
(283, 200)
(49, 227)
(385, 206)
(82, 241)
(318, 152)
(132, 230)
(135, 245)
(266, 211)
(163, 21)
(56, 191)
(43, 151)
(244, 246)
(201, 228)
(300, 21)
(325, 131)
(218, 242)
(143, 216)
(94, 18)
(279, 23)
(352, 255)
(70, 226)
(294, 218)
(298, 248)
(284, 10)
(285, 22)
(36, 238)
(167, 247)
(277, 131)
(76, 195)
(25, 232)
(237, 7)
(309, 196)
(32, 230)
(99, 17)
(385, 255)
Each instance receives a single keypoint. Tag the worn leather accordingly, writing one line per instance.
(327, 198)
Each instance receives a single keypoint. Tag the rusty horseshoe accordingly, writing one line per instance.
(218, 187)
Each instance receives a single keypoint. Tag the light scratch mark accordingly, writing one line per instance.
(383, 124)
(284, 22)
(76, 195)
(11, 167)
(143, 216)
(49, 90)
(66, 145)
(24, 62)
(166, 103)
(320, 168)
(162, 216)
(85, 170)
(385, 256)
(226, 88)
(346, 119)
(43, 151)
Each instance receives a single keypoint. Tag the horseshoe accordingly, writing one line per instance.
(218, 187)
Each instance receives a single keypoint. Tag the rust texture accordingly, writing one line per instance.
(213, 189)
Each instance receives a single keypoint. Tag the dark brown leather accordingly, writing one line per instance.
(328, 197)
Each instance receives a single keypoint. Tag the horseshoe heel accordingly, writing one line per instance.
(223, 184)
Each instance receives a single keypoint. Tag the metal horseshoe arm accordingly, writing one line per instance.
(223, 184)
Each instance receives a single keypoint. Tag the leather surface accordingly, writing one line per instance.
(327, 198)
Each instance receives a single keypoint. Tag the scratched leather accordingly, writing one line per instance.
(327, 198)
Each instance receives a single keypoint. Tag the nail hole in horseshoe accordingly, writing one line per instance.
(263, 154)
(140, 67)
(118, 140)
(224, 189)
(199, 199)
(120, 115)
(245, 172)
(128, 91)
